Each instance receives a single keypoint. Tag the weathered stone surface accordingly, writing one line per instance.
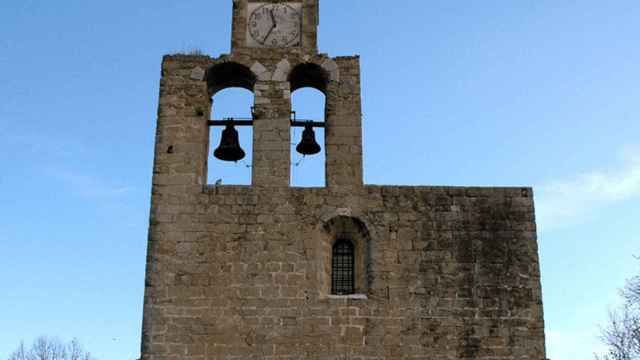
(262, 72)
(197, 73)
(240, 272)
(244, 272)
(282, 71)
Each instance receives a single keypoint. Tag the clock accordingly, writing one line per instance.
(274, 25)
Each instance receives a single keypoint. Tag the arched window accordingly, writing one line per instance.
(342, 268)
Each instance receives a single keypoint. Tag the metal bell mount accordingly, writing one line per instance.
(230, 150)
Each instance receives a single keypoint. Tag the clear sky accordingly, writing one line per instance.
(543, 93)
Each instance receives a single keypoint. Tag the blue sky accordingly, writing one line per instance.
(542, 93)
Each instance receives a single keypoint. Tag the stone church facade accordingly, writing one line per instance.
(346, 271)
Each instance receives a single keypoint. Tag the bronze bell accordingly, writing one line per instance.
(229, 148)
(308, 145)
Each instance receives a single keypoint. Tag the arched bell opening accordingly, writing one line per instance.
(308, 83)
(308, 157)
(230, 145)
(234, 141)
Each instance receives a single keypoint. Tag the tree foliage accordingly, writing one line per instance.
(45, 348)
(622, 333)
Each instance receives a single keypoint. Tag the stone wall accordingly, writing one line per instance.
(243, 272)
(236, 273)
(189, 82)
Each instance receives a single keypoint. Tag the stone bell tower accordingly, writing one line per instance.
(346, 271)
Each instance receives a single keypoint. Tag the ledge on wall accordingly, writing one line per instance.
(350, 297)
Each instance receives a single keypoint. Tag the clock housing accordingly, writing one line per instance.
(274, 25)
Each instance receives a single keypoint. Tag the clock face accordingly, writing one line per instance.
(274, 25)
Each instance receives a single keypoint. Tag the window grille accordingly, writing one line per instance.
(342, 266)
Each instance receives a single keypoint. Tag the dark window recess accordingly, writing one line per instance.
(342, 276)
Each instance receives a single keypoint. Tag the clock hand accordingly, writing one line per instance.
(268, 33)
(273, 21)
(273, 18)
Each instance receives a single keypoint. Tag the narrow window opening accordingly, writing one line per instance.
(231, 103)
(342, 268)
(308, 171)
